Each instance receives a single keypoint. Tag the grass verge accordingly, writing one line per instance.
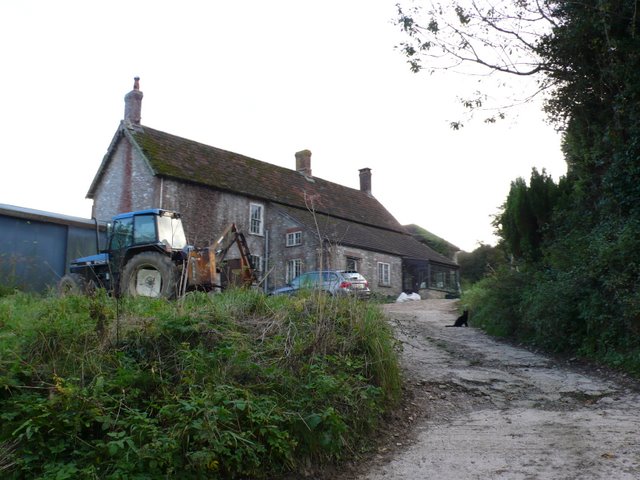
(238, 385)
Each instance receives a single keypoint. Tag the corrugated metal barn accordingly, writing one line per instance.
(36, 247)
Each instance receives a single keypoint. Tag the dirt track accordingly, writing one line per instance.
(482, 409)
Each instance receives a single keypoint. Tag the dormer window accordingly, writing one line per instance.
(256, 213)
(294, 238)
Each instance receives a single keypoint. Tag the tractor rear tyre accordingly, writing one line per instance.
(149, 274)
(75, 284)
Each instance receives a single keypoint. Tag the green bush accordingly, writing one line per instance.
(238, 385)
(590, 310)
(495, 302)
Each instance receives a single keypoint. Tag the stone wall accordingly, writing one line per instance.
(127, 184)
(206, 213)
(278, 225)
(368, 266)
(334, 257)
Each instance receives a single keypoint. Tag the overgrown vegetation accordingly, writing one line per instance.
(437, 243)
(484, 261)
(238, 385)
(573, 277)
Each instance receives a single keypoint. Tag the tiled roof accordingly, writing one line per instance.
(365, 236)
(186, 160)
(345, 215)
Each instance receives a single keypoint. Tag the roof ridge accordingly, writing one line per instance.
(272, 165)
(191, 161)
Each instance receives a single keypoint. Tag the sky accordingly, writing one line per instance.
(263, 79)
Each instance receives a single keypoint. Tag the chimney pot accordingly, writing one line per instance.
(133, 104)
(365, 180)
(303, 162)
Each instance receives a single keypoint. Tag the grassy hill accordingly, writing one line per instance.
(439, 244)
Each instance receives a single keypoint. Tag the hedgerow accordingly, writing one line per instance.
(237, 385)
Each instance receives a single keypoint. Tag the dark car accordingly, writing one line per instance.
(334, 282)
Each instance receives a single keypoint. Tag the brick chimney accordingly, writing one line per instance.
(133, 104)
(365, 180)
(303, 162)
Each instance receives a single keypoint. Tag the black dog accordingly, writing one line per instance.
(461, 321)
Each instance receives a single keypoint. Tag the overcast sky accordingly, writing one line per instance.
(264, 79)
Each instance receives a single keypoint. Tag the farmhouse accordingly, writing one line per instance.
(293, 221)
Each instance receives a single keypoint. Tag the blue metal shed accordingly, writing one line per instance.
(36, 247)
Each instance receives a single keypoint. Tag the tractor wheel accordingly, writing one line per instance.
(149, 274)
(74, 284)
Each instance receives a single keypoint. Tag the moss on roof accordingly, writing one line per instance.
(190, 161)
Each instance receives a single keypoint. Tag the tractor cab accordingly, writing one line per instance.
(147, 227)
(154, 238)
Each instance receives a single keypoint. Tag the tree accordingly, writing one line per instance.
(483, 261)
(594, 57)
(501, 35)
(526, 215)
(480, 38)
(580, 238)
(585, 57)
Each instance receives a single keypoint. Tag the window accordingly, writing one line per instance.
(256, 214)
(352, 264)
(122, 233)
(170, 232)
(294, 268)
(294, 238)
(384, 274)
(443, 279)
(256, 263)
(144, 229)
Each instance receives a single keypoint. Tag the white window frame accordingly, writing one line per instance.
(384, 274)
(256, 219)
(294, 269)
(294, 238)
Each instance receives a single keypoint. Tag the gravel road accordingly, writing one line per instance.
(483, 409)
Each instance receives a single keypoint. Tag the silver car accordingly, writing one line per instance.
(334, 282)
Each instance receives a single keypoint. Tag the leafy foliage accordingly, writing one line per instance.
(484, 261)
(573, 284)
(238, 385)
(526, 215)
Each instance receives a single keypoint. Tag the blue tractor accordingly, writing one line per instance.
(147, 255)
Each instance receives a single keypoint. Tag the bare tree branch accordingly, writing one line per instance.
(482, 37)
